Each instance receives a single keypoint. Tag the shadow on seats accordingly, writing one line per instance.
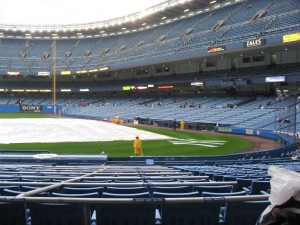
(120, 214)
(12, 213)
(190, 213)
(53, 214)
(244, 213)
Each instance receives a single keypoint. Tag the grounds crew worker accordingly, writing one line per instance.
(137, 145)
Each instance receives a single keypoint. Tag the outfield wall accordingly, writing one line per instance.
(28, 108)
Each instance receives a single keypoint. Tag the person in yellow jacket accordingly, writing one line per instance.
(181, 125)
(137, 145)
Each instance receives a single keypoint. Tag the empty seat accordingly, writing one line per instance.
(8, 192)
(81, 195)
(258, 187)
(83, 190)
(190, 213)
(126, 190)
(124, 195)
(53, 214)
(157, 194)
(120, 214)
(171, 189)
(12, 213)
(12, 187)
(244, 213)
(244, 182)
(215, 194)
(220, 189)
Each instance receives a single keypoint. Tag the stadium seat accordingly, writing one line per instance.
(126, 190)
(157, 194)
(190, 213)
(83, 190)
(219, 189)
(53, 214)
(244, 213)
(120, 214)
(215, 194)
(12, 213)
(171, 189)
(258, 187)
(125, 195)
(77, 195)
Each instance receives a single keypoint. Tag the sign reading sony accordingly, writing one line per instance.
(254, 43)
(31, 108)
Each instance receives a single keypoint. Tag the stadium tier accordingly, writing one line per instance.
(228, 26)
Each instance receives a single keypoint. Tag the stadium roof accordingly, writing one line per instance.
(89, 21)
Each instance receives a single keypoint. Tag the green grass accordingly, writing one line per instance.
(125, 148)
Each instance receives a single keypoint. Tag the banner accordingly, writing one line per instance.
(254, 43)
(30, 108)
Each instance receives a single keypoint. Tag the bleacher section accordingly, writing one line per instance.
(262, 114)
(112, 192)
(231, 24)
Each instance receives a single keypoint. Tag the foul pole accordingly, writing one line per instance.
(54, 76)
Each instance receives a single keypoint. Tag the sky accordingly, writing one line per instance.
(67, 11)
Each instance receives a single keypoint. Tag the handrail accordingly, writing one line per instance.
(133, 200)
(125, 184)
(108, 177)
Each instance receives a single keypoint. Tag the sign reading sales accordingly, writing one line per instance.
(254, 43)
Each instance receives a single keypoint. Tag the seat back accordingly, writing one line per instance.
(191, 213)
(171, 189)
(244, 213)
(120, 214)
(12, 213)
(157, 194)
(83, 195)
(8, 192)
(244, 182)
(125, 195)
(54, 214)
(215, 194)
(221, 189)
(83, 190)
(126, 190)
(258, 186)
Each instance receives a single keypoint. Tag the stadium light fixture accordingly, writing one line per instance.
(212, 2)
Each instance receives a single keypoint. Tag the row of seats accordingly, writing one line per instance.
(136, 213)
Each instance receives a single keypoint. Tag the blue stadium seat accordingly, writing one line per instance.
(171, 189)
(126, 190)
(120, 214)
(12, 213)
(215, 188)
(83, 190)
(54, 214)
(125, 195)
(244, 213)
(190, 213)
(157, 194)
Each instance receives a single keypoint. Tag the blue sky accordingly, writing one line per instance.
(67, 11)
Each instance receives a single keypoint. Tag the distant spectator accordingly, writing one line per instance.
(174, 125)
